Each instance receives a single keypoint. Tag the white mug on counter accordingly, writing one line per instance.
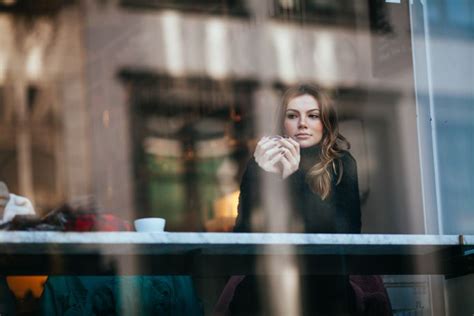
(150, 224)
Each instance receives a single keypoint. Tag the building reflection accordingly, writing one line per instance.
(196, 74)
(154, 107)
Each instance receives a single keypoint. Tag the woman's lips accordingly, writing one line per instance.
(302, 136)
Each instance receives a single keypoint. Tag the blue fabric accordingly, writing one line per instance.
(121, 295)
(7, 299)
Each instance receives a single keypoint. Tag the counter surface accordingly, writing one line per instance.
(100, 253)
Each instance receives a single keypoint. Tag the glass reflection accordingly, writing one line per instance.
(153, 108)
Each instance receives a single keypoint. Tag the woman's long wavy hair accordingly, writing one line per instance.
(321, 174)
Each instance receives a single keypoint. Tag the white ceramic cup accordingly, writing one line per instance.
(150, 224)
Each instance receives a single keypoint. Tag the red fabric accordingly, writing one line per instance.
(370, 293)
(371, 296)
(97, 222)
(222, 306)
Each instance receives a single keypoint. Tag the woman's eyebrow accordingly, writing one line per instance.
(294, 110)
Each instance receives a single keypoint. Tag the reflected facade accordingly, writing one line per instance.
(153, 108)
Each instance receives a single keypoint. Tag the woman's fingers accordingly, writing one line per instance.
(278, 155)
(288, 167)
(258, 149)
(266, 150)
(293, 159)
(270, 153)
(289, 162)
(276, 158)
(291, 145)
(267, 154)
(264, 144)
(294, 142)
(292, 152)
(285, 162)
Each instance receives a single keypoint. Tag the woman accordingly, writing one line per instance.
(311, 160)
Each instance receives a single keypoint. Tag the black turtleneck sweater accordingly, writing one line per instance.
(305, 212)
(338, 213)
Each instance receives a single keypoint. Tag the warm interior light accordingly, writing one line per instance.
(8, 2)
(226, 206)
(225, 212)
(21, 285)
(162, 147)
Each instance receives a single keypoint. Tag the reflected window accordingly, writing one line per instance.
(228, 7)
(31, 148)
(325, 12)
(190, 137)
(31, 7)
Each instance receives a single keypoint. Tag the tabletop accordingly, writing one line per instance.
(215, 254)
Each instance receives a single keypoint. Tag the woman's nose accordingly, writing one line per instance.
(302, 122)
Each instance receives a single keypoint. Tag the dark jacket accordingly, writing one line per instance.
(306, 211)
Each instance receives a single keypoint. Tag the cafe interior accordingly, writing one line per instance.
(149, 108)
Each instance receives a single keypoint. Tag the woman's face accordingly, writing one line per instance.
(302, 121)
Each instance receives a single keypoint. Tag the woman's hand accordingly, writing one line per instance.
(290, 159)
(278, 155)
(268, 153)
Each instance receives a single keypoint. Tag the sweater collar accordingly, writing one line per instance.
(310, 156)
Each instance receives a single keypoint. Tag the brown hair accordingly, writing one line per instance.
(332, 143)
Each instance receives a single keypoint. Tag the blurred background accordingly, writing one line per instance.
(153, 108)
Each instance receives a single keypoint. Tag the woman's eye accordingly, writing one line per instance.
(290, 116)
(314, 116)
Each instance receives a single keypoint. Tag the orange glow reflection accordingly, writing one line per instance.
(225, 212)
(20, 285)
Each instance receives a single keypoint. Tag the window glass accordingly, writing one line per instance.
(350, 120)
